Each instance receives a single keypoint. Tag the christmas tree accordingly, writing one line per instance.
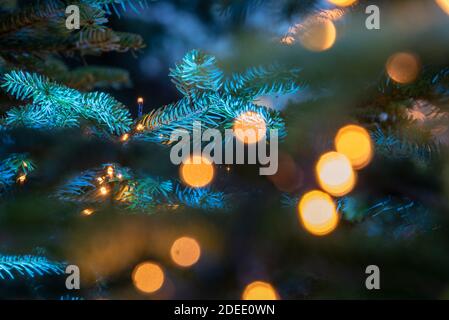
(355, 92)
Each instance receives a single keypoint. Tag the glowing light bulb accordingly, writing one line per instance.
(125, 137)
(317, 34)
(140, 100)
(259, 290)
(197, 171)
(110, 171)
(87, 212)
(403, 67)
(148, 277)
(22, 178)
(250, 127)
(355, 143)
(335, 174)
(185, 251)
(317, 213)
(444, 5)
(104, 191)
(140, 127)
(342, 3)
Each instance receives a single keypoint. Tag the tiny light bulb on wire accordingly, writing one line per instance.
(125, 137)
(140, 109)
(104, 191)
(87, 212)
(110, 171)
(22, 178)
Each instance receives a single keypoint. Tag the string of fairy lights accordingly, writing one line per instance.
(335, 171)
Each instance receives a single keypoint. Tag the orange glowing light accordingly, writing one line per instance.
(318, 34)
(335, 174)
(125, 137)
(22, 178)
(342, 3)
(250, 127)
(140, 127)
(185, 251)
(444, 5)
(317, 213)
(148, 277)
(104, 191)
(259, 290)
(140, 100)
(197, 171)
(355, 143)
(87, 212)
(110, 171)
(403, 67)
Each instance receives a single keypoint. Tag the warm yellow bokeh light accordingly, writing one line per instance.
(318, 34)
(110, 171)
(342, 3)
(148, 277)
(185, 251)
(87, 212)
(104, 191)
(317, 213)
(125, 137)
(139, 100)
(403, 67)
(355, 143)
(22, 178)
(259, 290)
(250, 127)
(197, 171)
(335, 174)
(444, 4)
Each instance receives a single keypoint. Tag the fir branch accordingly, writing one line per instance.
(12, 167)
(397, 146)
(120, 186)
(201, 198)
(34, 13)
(55, 105)
(117, 5)
(261, 81)
(91, 77)
(208, 101)
(197, 71)
(28, 266)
